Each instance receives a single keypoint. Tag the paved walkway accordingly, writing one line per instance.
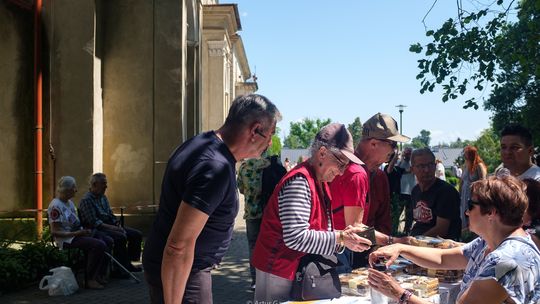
(231, 282)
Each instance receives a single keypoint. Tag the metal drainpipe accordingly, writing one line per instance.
(38, 118)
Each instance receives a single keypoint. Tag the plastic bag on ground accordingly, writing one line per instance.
(62, 282)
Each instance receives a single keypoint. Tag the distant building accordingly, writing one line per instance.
(448, 156)
(293, 155)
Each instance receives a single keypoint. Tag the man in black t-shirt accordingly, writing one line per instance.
(199, 203)
(436, 202)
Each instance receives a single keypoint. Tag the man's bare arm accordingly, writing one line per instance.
(353, 215)
(179, 251)
(440, 229)
(392, 163)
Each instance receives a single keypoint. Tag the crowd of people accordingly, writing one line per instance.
(319, 206)
(502, 265)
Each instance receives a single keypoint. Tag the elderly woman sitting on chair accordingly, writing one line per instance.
(502, 265)
(67, 233)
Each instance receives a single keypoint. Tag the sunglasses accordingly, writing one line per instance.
(471, 203)
(392, 143)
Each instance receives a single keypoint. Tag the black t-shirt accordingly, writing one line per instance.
(394, 179)
(443, 200)
(201, 172)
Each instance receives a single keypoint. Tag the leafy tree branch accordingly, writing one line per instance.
(493, 50)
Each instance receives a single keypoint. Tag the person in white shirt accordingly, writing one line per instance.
(439, 170)
(517, 151)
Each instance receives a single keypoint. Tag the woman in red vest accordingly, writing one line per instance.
(297, 220)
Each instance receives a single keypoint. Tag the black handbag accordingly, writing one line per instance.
(316, 278)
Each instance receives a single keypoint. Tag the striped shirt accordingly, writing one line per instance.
(294, 204)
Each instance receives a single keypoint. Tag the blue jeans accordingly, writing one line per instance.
(127, 246)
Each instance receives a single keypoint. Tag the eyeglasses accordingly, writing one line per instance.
(424, 166)
(392, 143)
(341, 165)
(260, 133)
(471, 203)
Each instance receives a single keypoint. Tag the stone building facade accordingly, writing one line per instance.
(124, 82)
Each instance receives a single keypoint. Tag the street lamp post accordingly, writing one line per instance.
(401, 107)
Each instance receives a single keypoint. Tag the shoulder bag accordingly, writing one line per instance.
(316, 278)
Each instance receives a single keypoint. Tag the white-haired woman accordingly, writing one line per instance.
(67, 232)
(298, 218)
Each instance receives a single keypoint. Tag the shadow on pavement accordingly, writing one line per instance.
(231, 281)
(231, 284)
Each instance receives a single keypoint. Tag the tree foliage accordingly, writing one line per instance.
(275, 148)
(458, 143)
(356, 130)
(489, 51)
(302, 133)
(421, 140)
(487, 143)
(488, 148)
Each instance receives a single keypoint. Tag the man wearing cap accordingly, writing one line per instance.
(356, 199)
(297, 219)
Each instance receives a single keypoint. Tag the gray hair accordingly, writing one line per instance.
(97, 177)
(422, 151)
(317, 144)
(248, 109)
(66, 183)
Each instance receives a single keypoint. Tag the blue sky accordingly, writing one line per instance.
(346, 59)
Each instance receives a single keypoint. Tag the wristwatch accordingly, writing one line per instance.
(405, 296)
